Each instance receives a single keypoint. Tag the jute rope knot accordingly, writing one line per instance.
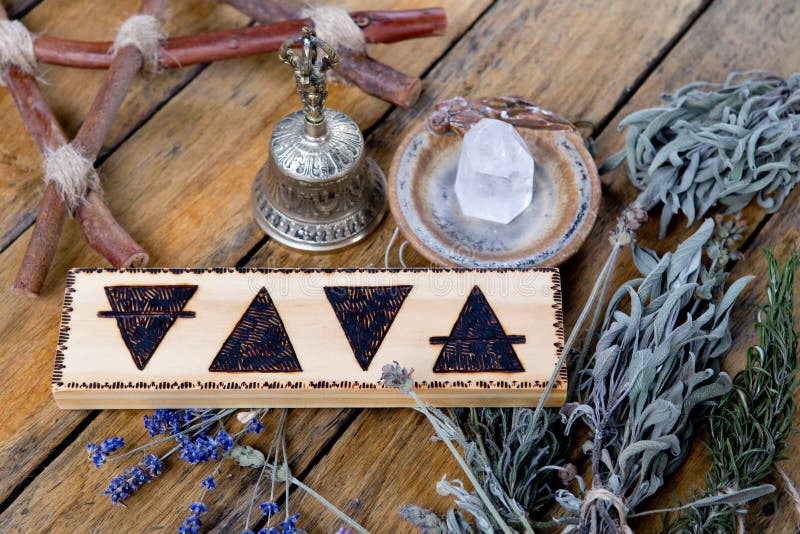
(335, 26)
(16, 47)
(73, 172)
(602, 494)
(145, 33)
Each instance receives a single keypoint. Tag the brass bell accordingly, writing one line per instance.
(318, 191)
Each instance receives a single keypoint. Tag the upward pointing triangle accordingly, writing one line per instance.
(145, 314)
(258, 342)
(366, 313)
(478, 343)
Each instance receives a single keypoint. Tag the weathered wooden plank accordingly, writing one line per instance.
(182, 185)
(70, 92)
(306, 338)
(406, 471)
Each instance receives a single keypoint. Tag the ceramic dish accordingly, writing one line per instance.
(550, 230)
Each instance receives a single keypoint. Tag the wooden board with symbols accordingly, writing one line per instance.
(310, 338)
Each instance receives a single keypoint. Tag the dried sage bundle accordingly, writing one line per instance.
(654, 366)
(726, 143)
(749, 429)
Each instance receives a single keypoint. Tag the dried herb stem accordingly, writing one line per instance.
(599, 285)
(476, 485)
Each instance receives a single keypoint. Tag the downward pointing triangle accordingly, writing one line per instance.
(145, 314)
(258, 342)
(366, 313)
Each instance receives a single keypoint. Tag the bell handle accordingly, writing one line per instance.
(310, 76)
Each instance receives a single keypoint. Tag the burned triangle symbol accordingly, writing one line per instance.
(478, 342)
(258, 342)
(366, 313)
(145, 314)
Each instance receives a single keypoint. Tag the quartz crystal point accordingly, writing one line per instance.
(495, 172)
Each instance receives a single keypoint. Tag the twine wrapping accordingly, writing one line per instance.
(74, 174)
(335, 26)
(16, 47)
(145, 33)
(602, 494)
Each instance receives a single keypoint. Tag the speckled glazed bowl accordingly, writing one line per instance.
(565, 201)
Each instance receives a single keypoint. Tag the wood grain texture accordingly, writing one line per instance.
(386, 457)
(70, 93)
(182, 182)
(446, 81)
(270, 338)
(77, 505)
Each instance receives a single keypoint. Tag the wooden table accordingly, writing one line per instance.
(177, 169)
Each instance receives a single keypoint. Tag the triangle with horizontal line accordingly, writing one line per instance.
(145, 314)
(477, 343)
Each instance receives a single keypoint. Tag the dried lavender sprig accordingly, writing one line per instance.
(204, 424)
(393, 375)
(282, 473)
(715, 143)
(749, 429)
(656, 361)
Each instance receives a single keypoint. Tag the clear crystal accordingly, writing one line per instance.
(495, 172)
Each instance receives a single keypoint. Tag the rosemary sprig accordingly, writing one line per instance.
(749, 429)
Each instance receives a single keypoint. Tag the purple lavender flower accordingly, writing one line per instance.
(269, 508)
(167, 421)
(192, 524)
(99, 453)
(198, 508)
(289, 525)
(123, 486)
(209, 483)
(254, 426)
(152, 464)
(204, 447)
(224, 440)
(269, 530)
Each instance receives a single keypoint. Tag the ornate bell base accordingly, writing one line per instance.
(328, 235)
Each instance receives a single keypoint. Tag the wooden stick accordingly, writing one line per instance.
(378, 27)
(100, 229)
(373, 77)
(48, 135)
